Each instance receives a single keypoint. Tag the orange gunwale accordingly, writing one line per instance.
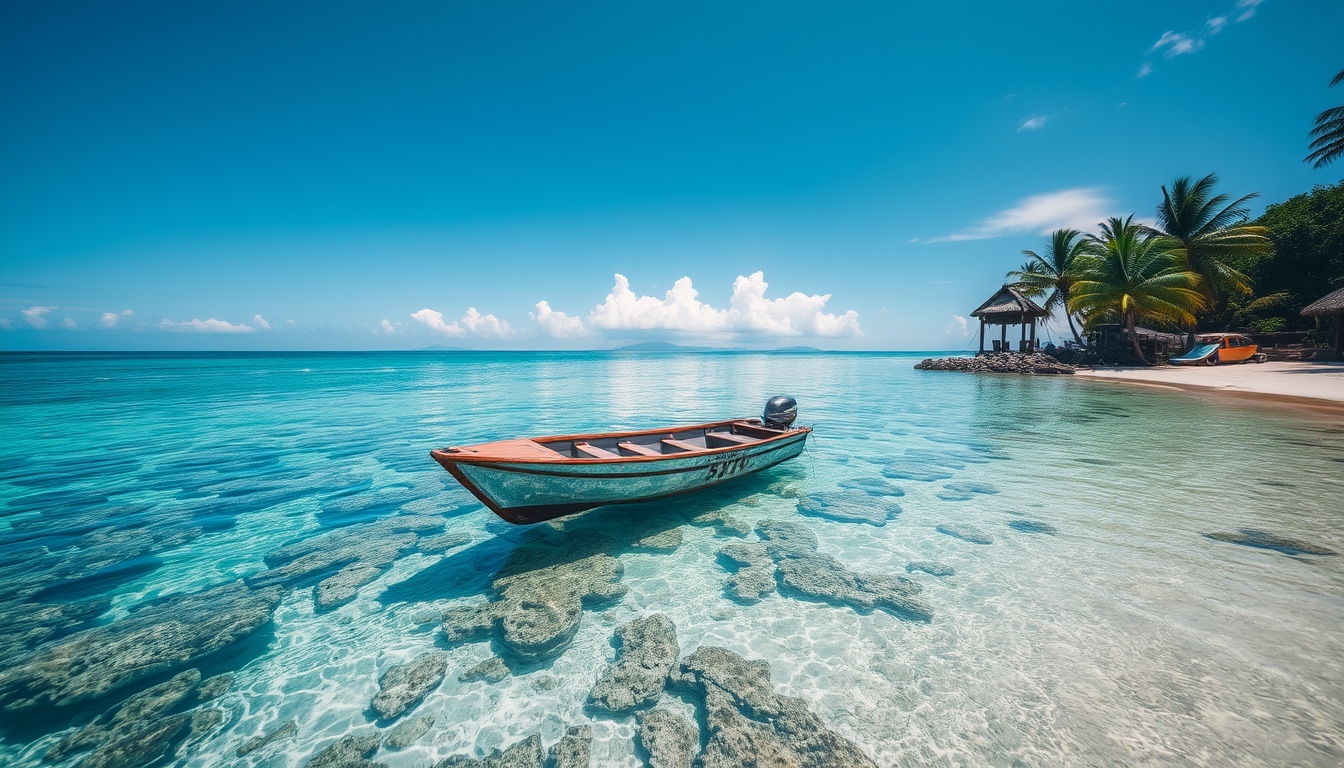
(527, 447)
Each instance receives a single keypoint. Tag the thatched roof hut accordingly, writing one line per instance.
(1009, 307)
(1331, 305)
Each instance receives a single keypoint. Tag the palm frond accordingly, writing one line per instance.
(1337, 79)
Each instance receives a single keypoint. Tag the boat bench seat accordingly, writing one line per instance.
(730, 438)
(638, 450)
(681, 445)
(593, 452)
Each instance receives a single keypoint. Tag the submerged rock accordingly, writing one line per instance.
(755, 574)
(971, 489)
(573, 750)
(849, 507)
(541, 592)
(434, 545)
(403, 686)
(284, 731)
(669, 739)
(141, 747)
(724, 524)
(965, 533)
(907, 469)
(1249, 537)
(750, 724)
(335, 591)
(875, 486)
(136, 713)
(492, 670)
(647, 654)
(931, 568)
(350, 751)
(663, 541)
(158, 638)
(524, 754)
(350, 557)
(408, 732)
(803, 570)
(214, 687)
(1032, 526)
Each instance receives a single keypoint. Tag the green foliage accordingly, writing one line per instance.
(1307, 262)
(1210, 235)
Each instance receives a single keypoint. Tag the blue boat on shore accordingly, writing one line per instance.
(531, 480)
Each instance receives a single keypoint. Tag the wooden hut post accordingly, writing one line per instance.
(1033, 334)
(1003, 336)
(1022, 324)
(1339, 335)
(982, 335)
(1326, 306)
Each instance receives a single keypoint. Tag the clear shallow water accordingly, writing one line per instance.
(1099, 626)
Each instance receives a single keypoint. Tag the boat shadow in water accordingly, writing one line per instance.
(538, 580)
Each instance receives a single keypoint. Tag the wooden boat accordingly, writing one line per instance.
(1215, 348)
(530, 480)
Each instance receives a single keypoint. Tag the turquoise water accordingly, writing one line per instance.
(1099, 625)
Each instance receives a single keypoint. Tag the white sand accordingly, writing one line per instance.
(1316, 380)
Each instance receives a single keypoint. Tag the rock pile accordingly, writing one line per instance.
(1002, 362)
(669, 739)
(403, 686)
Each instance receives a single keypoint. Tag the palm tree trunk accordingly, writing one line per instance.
(1069, 317)
(1134, 337)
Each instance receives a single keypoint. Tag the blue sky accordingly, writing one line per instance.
(387, 176)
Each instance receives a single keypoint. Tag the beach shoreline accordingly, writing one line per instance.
(1319, 384)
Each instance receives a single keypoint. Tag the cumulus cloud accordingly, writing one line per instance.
(387, 327)
(205, 326)
(557, 325)
(680, 309)
(1033, 123)
(69, 323)
(957, 327)
(472, 323)
(34, 316)
(261, 321)
(1079, 208)
(109, 319)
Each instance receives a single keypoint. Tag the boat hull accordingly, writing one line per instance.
(533, 492)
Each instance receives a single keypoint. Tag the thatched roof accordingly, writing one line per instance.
(1331, 304)
(1008, 301)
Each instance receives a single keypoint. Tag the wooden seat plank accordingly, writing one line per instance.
(681, 444)
(730, 438)
(639, 450)
(593, 452)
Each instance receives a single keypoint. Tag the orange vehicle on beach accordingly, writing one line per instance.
(1215, 348)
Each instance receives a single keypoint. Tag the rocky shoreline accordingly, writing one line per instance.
(1001, 362)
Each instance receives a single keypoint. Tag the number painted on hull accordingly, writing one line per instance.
(722, 469)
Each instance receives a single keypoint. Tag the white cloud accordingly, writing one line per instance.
(69, 323)
(1248, 8)
(1216, 24)
(205, 326)
(261, 321)
(1079, 208)
(387, 327)
(749, 311)
(5, 323)
(435, 322)
(558, 325)
(109, 319)
(473, 323)
(1033, 123)
(34, 316)
(1176, 43)
(957, 327)
(1145, 69)
(485, 326)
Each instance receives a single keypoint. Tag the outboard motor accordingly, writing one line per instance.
(780, 412)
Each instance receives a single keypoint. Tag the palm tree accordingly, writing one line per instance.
(1052, 273)
(1328, 143)
(1209, 235)
(1130, 275)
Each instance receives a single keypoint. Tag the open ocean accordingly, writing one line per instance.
(166, 521)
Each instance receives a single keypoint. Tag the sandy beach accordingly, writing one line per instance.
(1315, 381)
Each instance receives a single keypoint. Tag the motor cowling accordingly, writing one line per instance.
(780, 412)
